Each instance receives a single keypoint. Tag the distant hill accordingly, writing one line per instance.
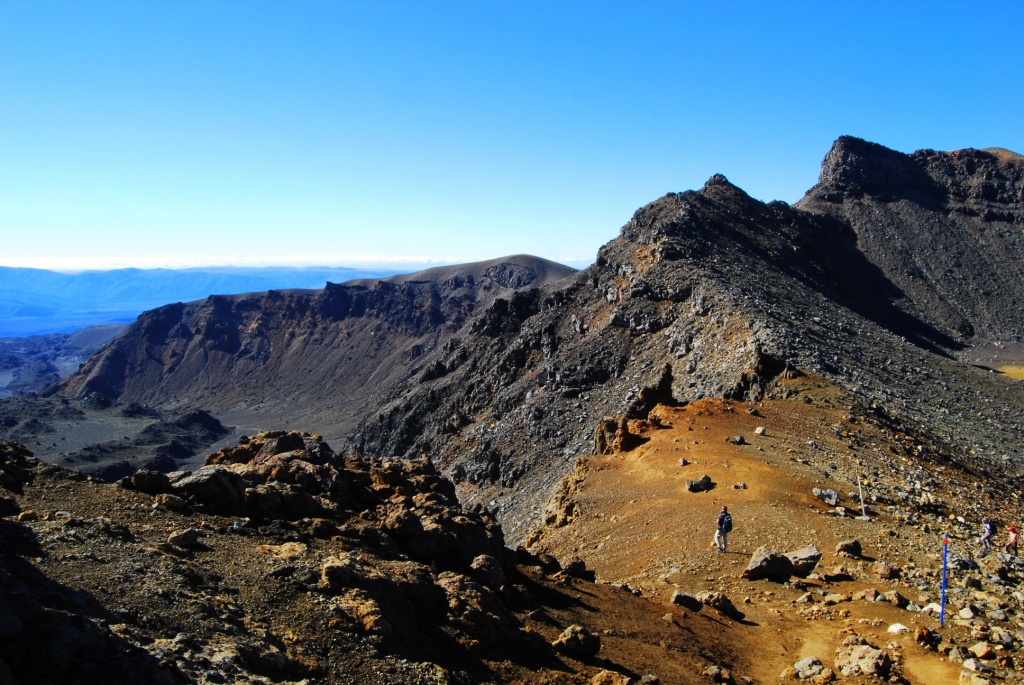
(31, 363)
(317, 355)
(41, 302)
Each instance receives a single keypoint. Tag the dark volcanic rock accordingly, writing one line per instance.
(804, 560)
(563, 370)
(765, 563)
(259, 349)
(214, 486)
(702, 484)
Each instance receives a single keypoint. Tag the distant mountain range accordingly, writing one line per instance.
(39, 302)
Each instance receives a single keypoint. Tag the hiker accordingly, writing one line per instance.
(1011, 545)
(722, 530)
(986, 536)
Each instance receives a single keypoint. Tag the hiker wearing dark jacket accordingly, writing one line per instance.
(722, 530)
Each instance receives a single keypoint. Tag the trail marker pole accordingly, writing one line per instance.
(863, 507)
(945, 559)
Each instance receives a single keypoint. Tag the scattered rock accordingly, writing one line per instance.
(487, 571)
(850, 548)
(684, 599)
(808, 667)
(718, 601)
(577, 642)
(718, 674)
(958, 654)
(149, 482)
(575, 568)
(862, 659)
(884, 571)
(213, 486)
(702, 484)
(927, 637)
(893, 597)
(172, 502)
(828, 496)
(972, 664)
(610, 678)
(983, 650)
(185, 538)
(870, 595)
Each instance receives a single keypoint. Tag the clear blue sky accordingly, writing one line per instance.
(146, 133)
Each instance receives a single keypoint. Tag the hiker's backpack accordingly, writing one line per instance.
(727, 523)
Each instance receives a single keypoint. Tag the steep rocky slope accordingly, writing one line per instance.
(267, 358)
(713, 293)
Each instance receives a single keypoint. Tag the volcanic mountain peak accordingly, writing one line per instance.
(858, 167)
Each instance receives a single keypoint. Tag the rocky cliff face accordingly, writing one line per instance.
(319, 355)
(945, 228)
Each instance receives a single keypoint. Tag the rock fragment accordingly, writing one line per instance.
(702, 484)
(577, 642)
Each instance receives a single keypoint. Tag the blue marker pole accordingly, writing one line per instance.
(945, 558)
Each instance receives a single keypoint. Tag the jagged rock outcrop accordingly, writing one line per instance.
(944, 228)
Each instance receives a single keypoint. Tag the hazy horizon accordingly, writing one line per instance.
(395, 264)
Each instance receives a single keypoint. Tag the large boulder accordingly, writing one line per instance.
(765, 563)
(804, 560)
(214, 486)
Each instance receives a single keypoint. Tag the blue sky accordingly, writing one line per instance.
(177, 133)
